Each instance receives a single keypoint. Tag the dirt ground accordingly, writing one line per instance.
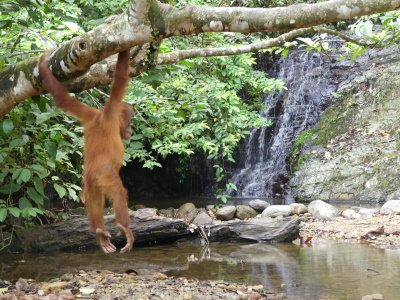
(378, 230)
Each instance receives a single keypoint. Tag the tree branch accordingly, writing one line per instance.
(147, 21)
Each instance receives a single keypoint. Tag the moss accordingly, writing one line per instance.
(331, 125)
(297, 159)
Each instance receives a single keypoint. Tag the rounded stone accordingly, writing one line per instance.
(274, 211)
(323, 210)
(298, 208)
(244, 212)
(187, 211)
(226, 213)
(202, 219)
(258, 204)
(391, 207)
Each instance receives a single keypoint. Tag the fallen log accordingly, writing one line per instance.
(148, 228)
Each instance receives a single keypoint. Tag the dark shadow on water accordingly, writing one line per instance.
(324, 271)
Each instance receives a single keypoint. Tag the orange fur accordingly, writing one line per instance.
(103, 151)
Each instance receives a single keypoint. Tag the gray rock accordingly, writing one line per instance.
(298, 208)
(244, 212)
(323, 210)
(169, 212)
(258, 230)
(373, 297)
(367, 212)
(391, 207)
(202, 219)
(350, 214)
(274, 211)
(187, 211)
(226, 213)
(354, 172)
(210, 207)
(258, 204)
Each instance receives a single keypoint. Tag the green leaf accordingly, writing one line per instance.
(39, 211)
(6, 127)
(60, 190)
(3, 214)
(355, 53)
(136, 145)
(137, 137)
(51, 149)
(16, 174)
(43, 117)
(2, 157)
(73, 194)
(187, 63)
(26, 175)
(38, 185)
(24, 203)
(33, 194)
(32, 212)
(17, 142)
(10, 188)
(14, 211)
(39, 170)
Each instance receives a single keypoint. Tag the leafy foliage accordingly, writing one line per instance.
(195, 106)
(182, 109)
(35, 145)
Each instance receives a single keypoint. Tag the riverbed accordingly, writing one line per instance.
(322, 271)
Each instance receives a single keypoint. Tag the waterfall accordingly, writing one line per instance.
(309, 80)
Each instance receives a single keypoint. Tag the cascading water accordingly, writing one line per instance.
(310, 82)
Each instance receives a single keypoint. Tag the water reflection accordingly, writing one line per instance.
(325, 271)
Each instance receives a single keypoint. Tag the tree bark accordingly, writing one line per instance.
(148, 228)
(148, 21)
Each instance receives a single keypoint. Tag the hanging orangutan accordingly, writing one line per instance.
(104, 130)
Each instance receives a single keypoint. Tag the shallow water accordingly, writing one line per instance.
(324, 271)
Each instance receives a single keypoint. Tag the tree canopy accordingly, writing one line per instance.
(188, 76)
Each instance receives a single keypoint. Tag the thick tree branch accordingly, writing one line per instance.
(146, 21)
(193, 19)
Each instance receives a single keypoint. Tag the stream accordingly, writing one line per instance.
(323, 271)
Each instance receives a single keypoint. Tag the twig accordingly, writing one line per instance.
(377, 273)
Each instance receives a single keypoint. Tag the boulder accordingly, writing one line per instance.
(261, 230)
(367, 212)
(274, 211)
(244, 212)
(258, 204)
(226, 213)
(167, 212)
(187, 211)
(391, 207)
(323, 210)
(351, 214)
(373, 297)
(298, 208)
(202, 219)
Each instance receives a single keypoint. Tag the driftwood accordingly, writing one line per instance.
(148, 228)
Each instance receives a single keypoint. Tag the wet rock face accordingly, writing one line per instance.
(352, 153)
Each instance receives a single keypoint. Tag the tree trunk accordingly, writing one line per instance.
(148, 228)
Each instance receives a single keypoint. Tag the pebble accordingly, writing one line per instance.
(109, 285)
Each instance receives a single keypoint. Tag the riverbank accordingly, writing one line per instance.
(109, 285)
(377, 230)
